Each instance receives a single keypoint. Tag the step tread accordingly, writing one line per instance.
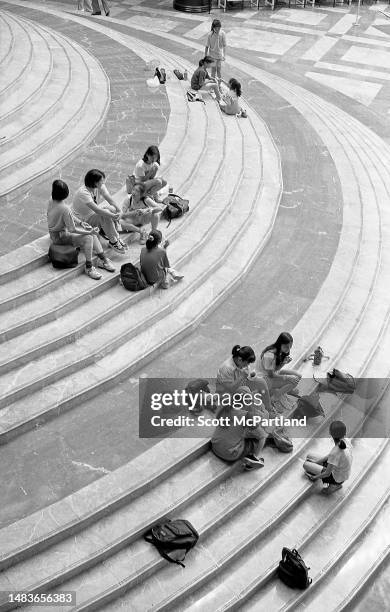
(20, 57)
(213, 550)
(330, 543)
(119, 324)
(142, 345)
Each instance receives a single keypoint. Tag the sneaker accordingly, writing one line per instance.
(125, 246)
(117, 247)
(164, 285)
(176, 275)
(331, 489)
(106, 264)
(93, 273)
(244, 114)
(143, 237)
(253, 462)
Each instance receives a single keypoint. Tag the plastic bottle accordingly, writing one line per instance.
(185, 75)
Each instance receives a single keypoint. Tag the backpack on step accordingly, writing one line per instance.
(173, 539)
(132, 278)
(340, 382)
(175, 207)
(293, 571)
(161, 75)
(63, 256)
(309, 406)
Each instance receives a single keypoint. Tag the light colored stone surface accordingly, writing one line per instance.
(361, 91)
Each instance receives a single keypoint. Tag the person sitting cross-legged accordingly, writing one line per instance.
(335, 468)
(64, 228)
(139, 210)
(145, 172)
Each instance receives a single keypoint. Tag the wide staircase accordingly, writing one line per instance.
(65, 339)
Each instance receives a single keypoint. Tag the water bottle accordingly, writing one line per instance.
(185, 75)
(317, 357)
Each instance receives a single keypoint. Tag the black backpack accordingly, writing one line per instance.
(173, 539)
(63, 256)
(175, 207)
(161, 75)
(292, 570)
(132, 278)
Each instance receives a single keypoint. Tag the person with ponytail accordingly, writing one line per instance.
(335, 468)
(271, 366)
(234, 376)
(229, 103)
(201, 79)
(216, 47)
(155, 264)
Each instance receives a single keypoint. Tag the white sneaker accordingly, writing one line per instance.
(175, 275)
(93, 273)
(106, 265)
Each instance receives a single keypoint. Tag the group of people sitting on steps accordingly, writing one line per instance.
(272, 380)
(95, 215)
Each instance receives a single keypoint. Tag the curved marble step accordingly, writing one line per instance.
(226, 508)
(40, 95)
(7, 39)
(195, 481)
(119, 363)
(17, 62)
(353, 569)
(366, 510)
(80, 111)
(99, 340)
(65, 296)
(26, 102)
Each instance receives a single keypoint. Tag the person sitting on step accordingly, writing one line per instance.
(229, 103)
(139, 210)
(145, 172)
(64, 228)
(234, 373)
(335, 468)
(155, 264)
(237, 438)
(201, 80)
(271, 367)
(86, 208)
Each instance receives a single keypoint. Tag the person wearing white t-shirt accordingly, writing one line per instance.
(146, 169)
(216, 47)
(335, 468)
(87, 208)
(271, 366)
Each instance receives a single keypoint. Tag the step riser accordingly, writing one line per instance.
(116, 504)
(127, 372)
(118, 341)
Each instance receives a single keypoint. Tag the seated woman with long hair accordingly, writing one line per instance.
(271, 366)
(146, 169)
